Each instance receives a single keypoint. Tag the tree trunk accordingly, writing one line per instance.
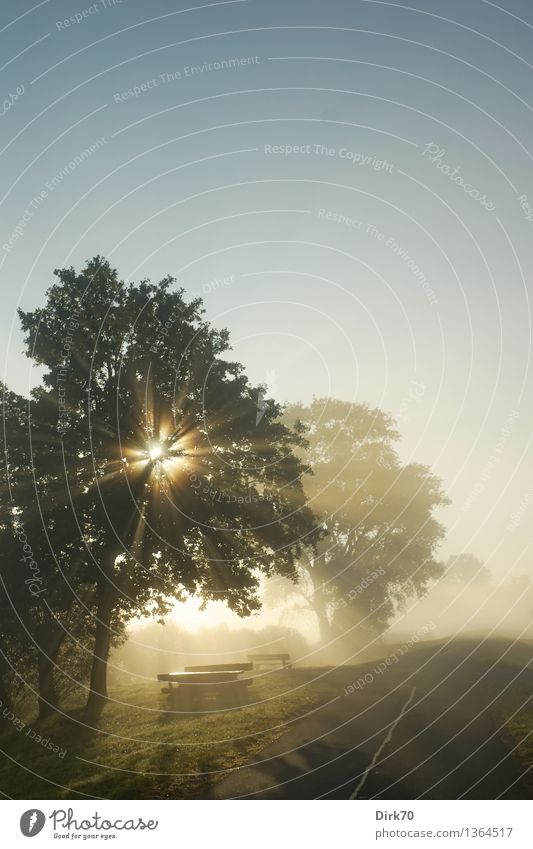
(324, 625)
(318, 602)
(107, 597)
(5, 695)
(47, 699)
(48, 643)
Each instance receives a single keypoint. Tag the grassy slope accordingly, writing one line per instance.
(515, 711)
(140, 751)
(512, 711)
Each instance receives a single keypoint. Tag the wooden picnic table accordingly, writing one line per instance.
(195, 689)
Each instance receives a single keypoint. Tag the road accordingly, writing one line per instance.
(423, 728)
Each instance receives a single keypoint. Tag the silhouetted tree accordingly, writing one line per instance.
(45, 587)
(175, 485)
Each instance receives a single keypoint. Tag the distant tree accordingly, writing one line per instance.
(379, 514)
(465, 568)
(173, 483)
(513, 600)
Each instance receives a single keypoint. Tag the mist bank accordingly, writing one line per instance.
(468, 601)
(155, 648)
(481, 606)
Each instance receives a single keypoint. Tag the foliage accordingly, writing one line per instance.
(151, 448)
(379, 514)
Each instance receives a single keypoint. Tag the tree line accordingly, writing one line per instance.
(102, 518)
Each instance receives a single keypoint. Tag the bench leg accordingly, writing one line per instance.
(172, 697)
(184, 698)
(230, 695)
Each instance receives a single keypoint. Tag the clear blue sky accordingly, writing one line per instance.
(419, 303)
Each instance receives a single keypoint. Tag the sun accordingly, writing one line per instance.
(155, 451)
(164, 455)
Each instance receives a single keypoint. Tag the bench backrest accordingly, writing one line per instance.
(269, 657)
(220, 676)
(219, 667)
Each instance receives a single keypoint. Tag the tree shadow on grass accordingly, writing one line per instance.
(40, 755)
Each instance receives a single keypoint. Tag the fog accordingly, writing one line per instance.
(483, 606)
(156, 648)
(468, 601)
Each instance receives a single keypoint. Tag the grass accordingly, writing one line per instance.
(140, 750)
(515, 711)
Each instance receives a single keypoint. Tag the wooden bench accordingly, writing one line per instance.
(259, 660)
(194, 689)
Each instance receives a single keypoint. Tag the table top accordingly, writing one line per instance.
(200, 677)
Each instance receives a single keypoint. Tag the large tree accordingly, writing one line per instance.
(46, 592)
(379, 514)
(174, 484)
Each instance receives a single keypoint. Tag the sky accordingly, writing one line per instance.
(346, 184)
